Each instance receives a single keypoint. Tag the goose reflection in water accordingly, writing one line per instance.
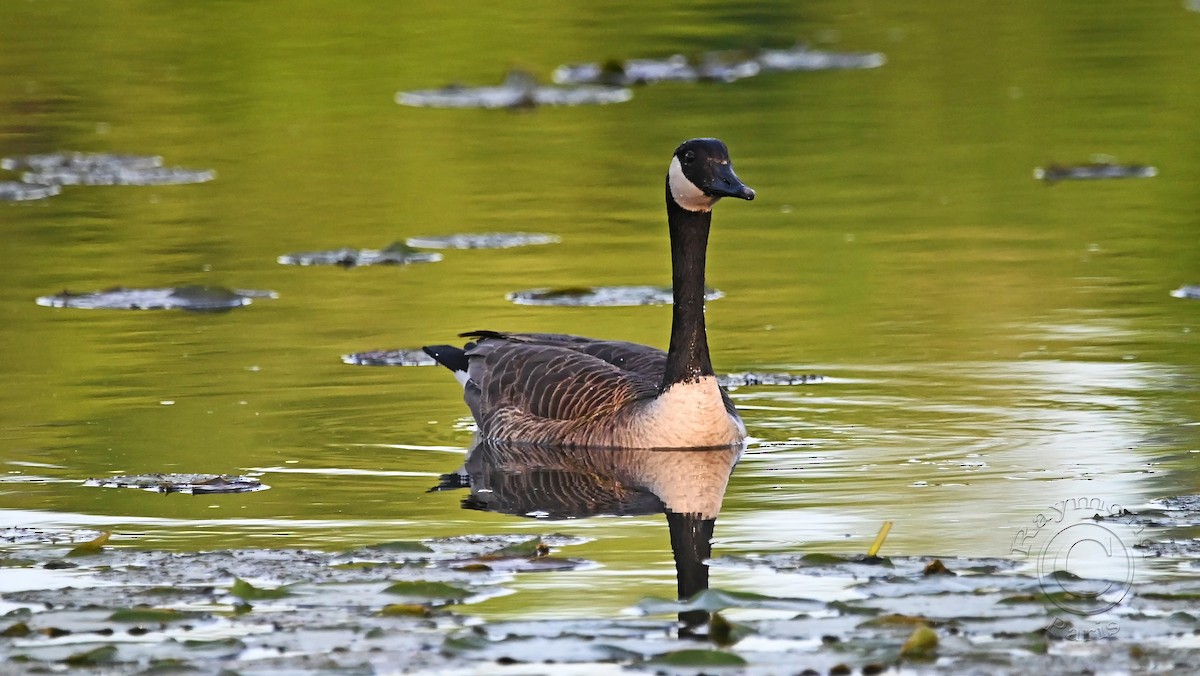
(687, 485)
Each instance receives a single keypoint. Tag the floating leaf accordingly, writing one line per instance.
(482, 240)
(140, 615)
(403, 547)
(427, 591)
(193, 298)
(190, 484)
(1089, 172)
(395, 254)
(16, 191)
(69, 168)
(16, 629)
(519, 90)
(698, 658)
(405, 610)
(601, 296)
(105, 654)
(248, 592)
(712, 600)
(1187, 291)
(397, 357)
(520, 550)
(735, 380)
(15, 562)
(91, 547)
(725, 66)
(922, 645)
(895, 620)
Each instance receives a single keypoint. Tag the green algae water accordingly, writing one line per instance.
(991, 344)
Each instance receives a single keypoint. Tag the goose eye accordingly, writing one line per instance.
(688, 157)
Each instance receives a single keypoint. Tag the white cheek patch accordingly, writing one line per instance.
(685, 193)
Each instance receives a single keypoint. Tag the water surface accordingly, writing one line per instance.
(990, 344)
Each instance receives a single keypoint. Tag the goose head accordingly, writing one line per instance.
(701, 173)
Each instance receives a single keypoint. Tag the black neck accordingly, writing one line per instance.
(691, 543)
(687, 357)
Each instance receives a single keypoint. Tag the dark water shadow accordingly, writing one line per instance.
(559, 483)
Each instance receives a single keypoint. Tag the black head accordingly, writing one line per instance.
(701, 173)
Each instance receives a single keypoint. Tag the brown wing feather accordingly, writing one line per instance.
(560, 377)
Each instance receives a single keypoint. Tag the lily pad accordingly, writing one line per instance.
(698, 658)
(193, 298)
(712, 600)
(427, 592)
(16, 191)
(191, 484)
(801, 58)
(150, 615)
(483, 240)
(1187, 291)
(80, 162)
(68, 168)
(1054, 173)
(248, 592)
(734, 380)
(727, 66)
(397, 253)
(519, 90)
(922, 645)
(105, 654)
(398, 357)
(531, 548)
(601, 296)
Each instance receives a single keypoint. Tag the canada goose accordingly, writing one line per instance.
(567, 390)
(554, 482)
